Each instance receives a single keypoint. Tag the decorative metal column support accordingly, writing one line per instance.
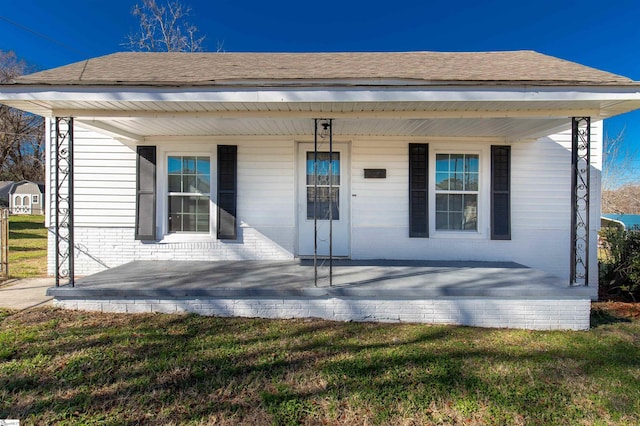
(63, 201)
(330, 123)
(580, 179)
(326, 131)
(315, 203)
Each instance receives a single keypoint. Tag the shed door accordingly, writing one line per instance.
(309, 196)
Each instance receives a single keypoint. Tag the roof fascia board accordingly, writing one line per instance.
(300, 95)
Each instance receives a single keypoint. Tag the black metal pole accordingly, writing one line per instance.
(315, 203)
(330, 202)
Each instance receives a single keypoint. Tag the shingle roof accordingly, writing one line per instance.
(210, 69)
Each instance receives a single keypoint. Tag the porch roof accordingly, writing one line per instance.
(263, 69)
(508, 96)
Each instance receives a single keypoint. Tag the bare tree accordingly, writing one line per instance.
(622, 200)
(620, 184)
(21, 133)
(163, 28)
(620, 180)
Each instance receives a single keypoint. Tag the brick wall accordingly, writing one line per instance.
(98, 249)
(536, 314)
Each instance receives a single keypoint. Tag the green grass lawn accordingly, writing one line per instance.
(68, 367)
(27, 246)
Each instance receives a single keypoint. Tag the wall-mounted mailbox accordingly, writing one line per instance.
(375, 173)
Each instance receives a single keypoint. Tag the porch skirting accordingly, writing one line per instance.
(533, 314)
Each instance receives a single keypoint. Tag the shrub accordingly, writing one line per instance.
(620, 263)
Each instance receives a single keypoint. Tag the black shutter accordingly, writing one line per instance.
(146, 193)
(500, 192)
(227, 188)
(418, 190)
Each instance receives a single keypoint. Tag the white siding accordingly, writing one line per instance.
(266, 184)
(380, 203)
(104, 179)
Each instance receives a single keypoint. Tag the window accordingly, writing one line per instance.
(17, 201)
(189, 180)
(322, 199)
(457, 177)
(34, 199)
(25, 200)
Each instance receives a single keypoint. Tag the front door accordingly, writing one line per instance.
(323, 201)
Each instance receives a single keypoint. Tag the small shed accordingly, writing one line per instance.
(26, 197)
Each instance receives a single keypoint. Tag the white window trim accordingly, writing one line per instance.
(162, 190)
(484, 194)
(34, 199)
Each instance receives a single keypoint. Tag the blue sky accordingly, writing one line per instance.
(604, 35)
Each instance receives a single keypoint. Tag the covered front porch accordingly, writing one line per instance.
(487, 294)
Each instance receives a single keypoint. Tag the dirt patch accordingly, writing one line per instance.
(619, 309)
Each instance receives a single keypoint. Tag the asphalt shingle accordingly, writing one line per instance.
(378, 68)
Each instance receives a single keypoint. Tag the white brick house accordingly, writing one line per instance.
(434, 156)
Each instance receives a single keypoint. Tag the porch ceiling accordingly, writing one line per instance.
(507, 128)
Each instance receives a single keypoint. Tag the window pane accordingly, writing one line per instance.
(188, 164)
(455, 202)
(442, 180)
(189, 183)
(455, 221)
(471, 182)
(442, 162)
(203, 166)
(203, 206)
(455, 183)
(203, 184)
(190, 204)
(471, 163)
(470, 212)
(189, 223)
(175, 183)
(456, 162)
(175, 165)
(442, 202)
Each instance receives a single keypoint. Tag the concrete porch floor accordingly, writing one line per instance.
(370, 278)
(482, 294)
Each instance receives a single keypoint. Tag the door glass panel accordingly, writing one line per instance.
(322, 204)
(326, 201)
(323, 168)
